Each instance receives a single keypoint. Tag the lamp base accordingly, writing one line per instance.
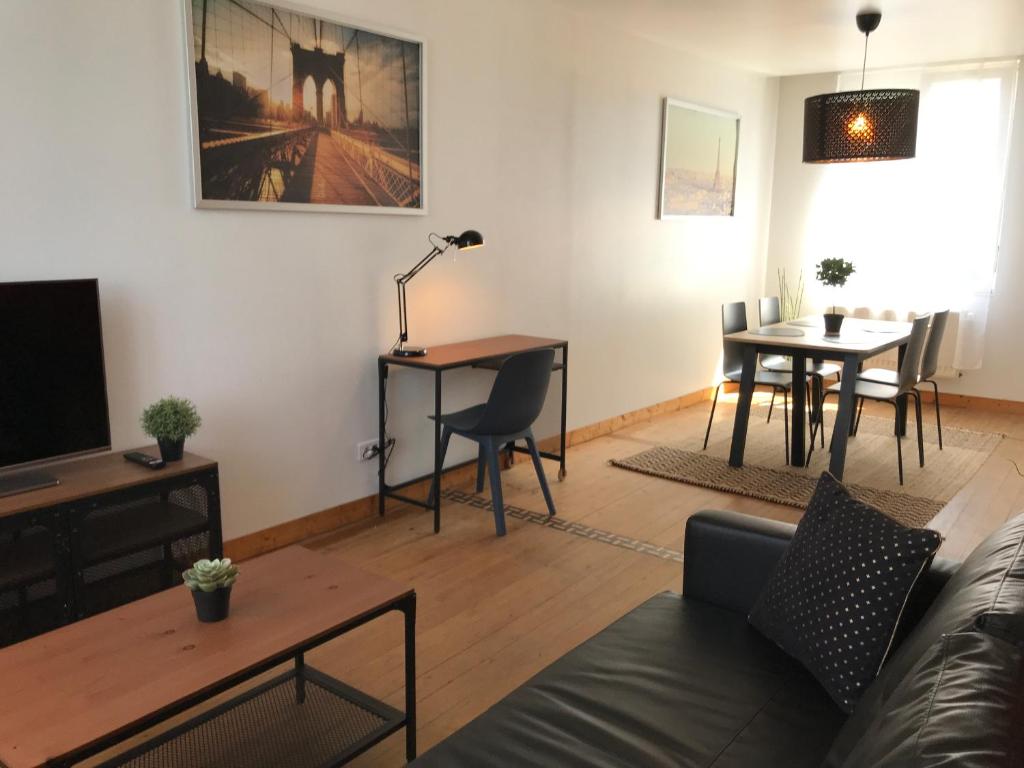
(403, 351)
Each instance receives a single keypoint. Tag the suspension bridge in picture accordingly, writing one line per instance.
(337, 137)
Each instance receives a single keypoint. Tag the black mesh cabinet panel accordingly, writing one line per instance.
(64, 563)
(133, 543)
(34, 589)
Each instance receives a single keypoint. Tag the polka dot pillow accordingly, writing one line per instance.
(838, 592)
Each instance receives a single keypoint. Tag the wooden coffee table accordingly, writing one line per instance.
(84, 688)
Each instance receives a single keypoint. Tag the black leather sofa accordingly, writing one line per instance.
(684, 680)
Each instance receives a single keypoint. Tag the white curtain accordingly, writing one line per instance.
(924, 233)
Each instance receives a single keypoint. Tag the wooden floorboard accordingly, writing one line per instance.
(493, 612)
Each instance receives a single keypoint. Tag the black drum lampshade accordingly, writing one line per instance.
(852, 126)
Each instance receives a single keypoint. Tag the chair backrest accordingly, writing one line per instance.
(910, 370)
(518, 394)
(734, 320)
(930, 361)
(768, 311)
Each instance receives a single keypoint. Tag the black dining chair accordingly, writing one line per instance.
(769, 312)
(514, 404)
(906, 385)
(929, 365)
(734, 320)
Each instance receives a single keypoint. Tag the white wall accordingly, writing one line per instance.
(544, 132)
(793, 189)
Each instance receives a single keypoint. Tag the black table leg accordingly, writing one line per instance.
(799, 405)
(300, 678)
(409, 609)
(382, 375)
(437, 452)
(901, 401)
(739, 427)
(844, 416)
(565, 402)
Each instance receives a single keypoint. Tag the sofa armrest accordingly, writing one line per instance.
(728, 557)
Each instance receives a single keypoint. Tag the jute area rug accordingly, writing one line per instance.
(870, 472)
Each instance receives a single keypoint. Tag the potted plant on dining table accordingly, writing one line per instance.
(833, 273)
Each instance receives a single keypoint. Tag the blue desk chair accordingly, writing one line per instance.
(514, 404)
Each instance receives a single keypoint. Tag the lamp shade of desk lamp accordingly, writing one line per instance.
(466, 241)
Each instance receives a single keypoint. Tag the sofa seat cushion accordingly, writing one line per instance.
(676, 682)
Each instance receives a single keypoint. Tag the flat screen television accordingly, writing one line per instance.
(53, 389)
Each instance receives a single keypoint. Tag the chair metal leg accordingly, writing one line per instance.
(494, 472)
(818, 425)
(920, 427)
(481, 468)
(446, 436)
(771, 407)
(785, 415)
(532, 446)
(938, 415)
(711, 418)
(899, 440)
(860, 410)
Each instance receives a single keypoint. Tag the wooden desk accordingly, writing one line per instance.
(860, 339)
(479, 353)
(84, 688)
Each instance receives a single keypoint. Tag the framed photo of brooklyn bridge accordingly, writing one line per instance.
(294, 111)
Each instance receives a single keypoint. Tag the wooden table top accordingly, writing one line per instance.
(465, 353)
(94, 679)
(865, 338)
(98, 474)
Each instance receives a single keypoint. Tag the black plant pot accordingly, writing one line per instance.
(212, 606)
(171, 450)
(833, 323)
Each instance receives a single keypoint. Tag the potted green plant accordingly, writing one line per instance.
(210, 583)
(834, 273)
(170, 421)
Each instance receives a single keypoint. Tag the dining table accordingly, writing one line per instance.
(802, 339)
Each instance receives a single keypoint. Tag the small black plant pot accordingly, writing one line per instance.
(833, 323)
(171, 450)
(212, 606)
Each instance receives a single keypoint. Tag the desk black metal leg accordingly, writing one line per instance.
(409, 609)
(382, 375)
(901, 401)
(437, 451)
(796, 452)
(844, 416)
(565, 401)
(300, 678)
(739, 427)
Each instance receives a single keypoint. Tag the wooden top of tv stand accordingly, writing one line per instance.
(81, 478)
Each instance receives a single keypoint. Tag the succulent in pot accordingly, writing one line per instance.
(833, 273)
(170, 421)
(210, 583)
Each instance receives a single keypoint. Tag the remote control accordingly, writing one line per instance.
(145, 460)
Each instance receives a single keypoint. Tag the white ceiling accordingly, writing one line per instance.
(789, 37)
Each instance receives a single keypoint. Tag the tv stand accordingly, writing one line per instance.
(26, 480)
(107, 533)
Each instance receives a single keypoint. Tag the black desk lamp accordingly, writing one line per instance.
(468, 239)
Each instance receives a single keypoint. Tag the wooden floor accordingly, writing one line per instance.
(493, 612)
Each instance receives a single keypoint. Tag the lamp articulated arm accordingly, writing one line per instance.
(468, 239)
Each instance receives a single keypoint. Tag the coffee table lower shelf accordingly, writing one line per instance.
(300, 718)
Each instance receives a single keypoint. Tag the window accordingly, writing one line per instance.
(924, 233)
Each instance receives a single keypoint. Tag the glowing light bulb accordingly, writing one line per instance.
(860, 128)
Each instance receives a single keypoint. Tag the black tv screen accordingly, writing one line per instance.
(53, 390)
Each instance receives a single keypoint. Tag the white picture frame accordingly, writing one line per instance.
(369, 169)
(699, 160)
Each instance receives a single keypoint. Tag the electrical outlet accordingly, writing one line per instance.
(368, 449)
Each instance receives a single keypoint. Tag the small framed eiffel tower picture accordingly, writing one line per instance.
(698, 161)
